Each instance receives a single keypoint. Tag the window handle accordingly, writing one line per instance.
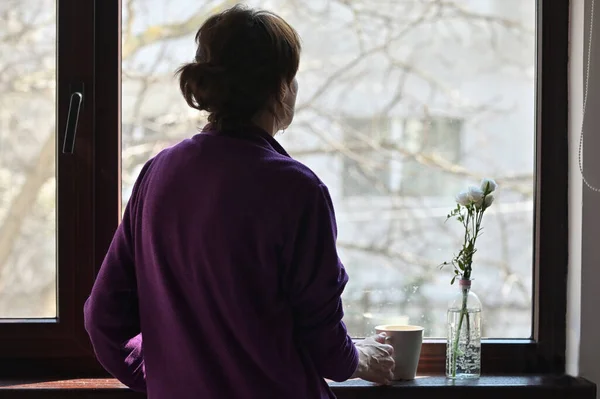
(72, 121)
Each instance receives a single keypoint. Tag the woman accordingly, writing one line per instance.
(225, 262)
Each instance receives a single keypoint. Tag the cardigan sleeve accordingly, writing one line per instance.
(317, 280)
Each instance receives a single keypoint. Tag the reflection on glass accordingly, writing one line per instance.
(400, 104)
(27, 156)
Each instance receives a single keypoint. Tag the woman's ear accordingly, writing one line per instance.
(288, 103)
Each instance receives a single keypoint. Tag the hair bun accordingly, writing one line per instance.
(203, 84)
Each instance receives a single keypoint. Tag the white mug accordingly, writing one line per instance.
(407, 342)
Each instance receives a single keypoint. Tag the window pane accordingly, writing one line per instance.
(401, 105)
(27, 157)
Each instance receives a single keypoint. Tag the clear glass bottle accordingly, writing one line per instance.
(463, 348)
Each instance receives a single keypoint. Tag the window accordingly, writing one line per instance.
(392, 80)
(405, 157)
(27, 164)
(400, 157)
(364, 172)
(51, 240)
(438, 139)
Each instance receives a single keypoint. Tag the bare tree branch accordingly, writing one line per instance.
(158, 33)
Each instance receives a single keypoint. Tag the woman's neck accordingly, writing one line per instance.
(266, 121)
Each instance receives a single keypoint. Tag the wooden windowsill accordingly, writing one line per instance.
(489, 387)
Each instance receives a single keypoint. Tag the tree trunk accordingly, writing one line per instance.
(41, 170)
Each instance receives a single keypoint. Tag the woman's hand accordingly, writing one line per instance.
(375, 361)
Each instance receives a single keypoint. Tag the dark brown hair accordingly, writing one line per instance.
(244, 62)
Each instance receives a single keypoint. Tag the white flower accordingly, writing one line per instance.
(489, 200)
(488, 185)
(463, 198)
(475, 195)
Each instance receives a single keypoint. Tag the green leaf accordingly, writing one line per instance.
(452, 281)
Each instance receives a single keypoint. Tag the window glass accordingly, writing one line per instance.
(27, 159)
(401, 104)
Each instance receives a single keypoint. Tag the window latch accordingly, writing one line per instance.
(72, 120)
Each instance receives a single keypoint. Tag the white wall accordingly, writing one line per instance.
(575, 186)
(583, 318)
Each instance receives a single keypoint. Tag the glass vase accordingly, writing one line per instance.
(463, 348)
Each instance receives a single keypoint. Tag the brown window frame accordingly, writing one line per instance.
(89, 191)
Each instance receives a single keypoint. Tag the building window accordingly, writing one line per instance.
(438, 141)
(364, 171)
(408, 157)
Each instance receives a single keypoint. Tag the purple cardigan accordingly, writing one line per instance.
(226, 263)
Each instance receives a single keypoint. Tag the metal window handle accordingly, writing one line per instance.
(72, 120)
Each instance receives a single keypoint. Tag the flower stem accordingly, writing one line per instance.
(468, 329)
(463, 312)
